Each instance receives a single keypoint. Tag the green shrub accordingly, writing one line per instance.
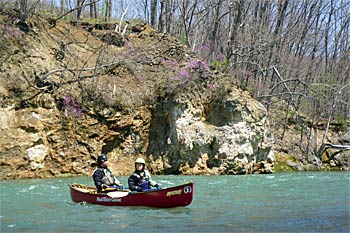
(342, 122)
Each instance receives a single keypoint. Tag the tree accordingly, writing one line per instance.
(108, 10)
(23, 10)
(93, 9)
(79, 6)
(154, 12)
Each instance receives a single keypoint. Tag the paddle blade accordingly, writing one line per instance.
(117, 194)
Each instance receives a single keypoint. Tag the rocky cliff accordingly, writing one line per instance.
(226, 136)
(71, 91)
(176, 137)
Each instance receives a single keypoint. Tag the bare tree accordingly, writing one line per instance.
(235, 22)
(154, 12)
(79, 6)
(23, 10)
(93, 9)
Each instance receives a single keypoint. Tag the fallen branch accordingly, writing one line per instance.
(329, 145)
(79, 70)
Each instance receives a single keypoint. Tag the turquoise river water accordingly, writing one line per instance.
(281, 202)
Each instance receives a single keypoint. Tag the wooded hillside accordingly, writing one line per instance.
(293, 56)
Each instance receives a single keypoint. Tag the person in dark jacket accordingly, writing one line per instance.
(103, 177)
(140, 180)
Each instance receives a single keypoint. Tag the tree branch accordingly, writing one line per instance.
(54, 21)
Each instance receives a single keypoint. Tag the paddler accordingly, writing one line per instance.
(103, 177)
(140, 180)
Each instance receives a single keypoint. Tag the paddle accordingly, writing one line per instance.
(117, 194)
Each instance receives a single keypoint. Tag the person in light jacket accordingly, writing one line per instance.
(103, 177)
(140, 180)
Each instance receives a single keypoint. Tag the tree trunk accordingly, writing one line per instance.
(108, 10)
(79, 8)
(93, 10)
(61, 7)
(154, 12)
(235, 18)
(168, 15)
(213, 36)
(165, 16)
(162, 20)
(23, 10)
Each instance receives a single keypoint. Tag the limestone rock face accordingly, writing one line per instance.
(33, 143)
(227, 137)
(40, 142)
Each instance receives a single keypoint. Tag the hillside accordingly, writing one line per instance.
(73, 90)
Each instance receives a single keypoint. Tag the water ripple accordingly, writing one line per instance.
(285, 202)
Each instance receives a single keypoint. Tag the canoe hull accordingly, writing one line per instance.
(181, 195)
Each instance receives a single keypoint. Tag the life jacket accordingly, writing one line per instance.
(144, 178)
(108, 178)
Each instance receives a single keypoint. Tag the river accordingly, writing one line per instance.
(281, 202)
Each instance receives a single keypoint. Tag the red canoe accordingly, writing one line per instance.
(181, 195)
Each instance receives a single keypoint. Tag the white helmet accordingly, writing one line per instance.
(140, 160)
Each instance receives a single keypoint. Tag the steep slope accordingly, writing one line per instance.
(71, 91)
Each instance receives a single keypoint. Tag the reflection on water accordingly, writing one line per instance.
(285, 202)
